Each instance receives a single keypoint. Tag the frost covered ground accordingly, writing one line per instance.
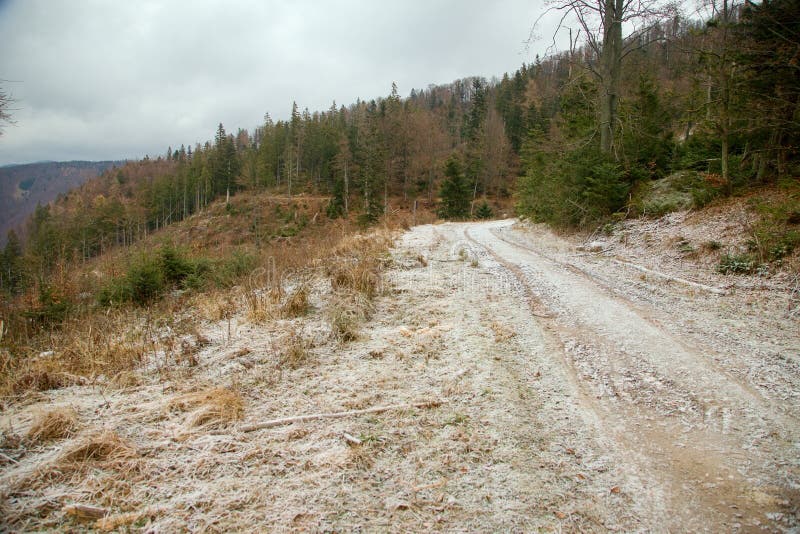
(559, 390)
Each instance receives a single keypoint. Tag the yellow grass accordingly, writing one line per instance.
(102, 446)
(295, 352)
(210, 408)
(53, 424)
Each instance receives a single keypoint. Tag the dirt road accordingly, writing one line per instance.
(576, 391)
(699, 438)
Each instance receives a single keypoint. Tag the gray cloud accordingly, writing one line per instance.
(107, 80)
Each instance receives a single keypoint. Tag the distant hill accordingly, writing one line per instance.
(22, 187)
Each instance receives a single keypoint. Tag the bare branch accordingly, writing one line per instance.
(5, 102)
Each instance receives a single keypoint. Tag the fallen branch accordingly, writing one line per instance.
(336, 415)
(85, 511)
(351, 440)
(8, 458)
(710, 289)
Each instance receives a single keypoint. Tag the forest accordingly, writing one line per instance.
(575, 139)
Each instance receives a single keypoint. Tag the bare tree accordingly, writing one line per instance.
(600, 24)
(5, 110)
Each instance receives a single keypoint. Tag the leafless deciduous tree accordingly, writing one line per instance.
(600, 24)
(5, 109)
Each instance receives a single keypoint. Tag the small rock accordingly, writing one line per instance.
(592, 246)
(393, 504)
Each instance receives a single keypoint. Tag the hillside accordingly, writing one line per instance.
(22, 187)
(458, 376)
(567, 299)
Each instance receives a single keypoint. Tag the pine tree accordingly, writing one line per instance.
(484, 211)
(474, 133)
(225, 164)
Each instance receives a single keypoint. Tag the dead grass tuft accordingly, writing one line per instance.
(501, 332)
(355, 263)
(57, 423)
(362, 275)
(296, 303)
(9, 440)
(363, 245)
(125, 379)
(296, 351)
(267, 304)
(216, 305)
(361, 457)
(126, 519)
(210, 408)
(355, 274)
(106, 345)
(260, 305)
(345, 312)
(37, 378)
(104, 446)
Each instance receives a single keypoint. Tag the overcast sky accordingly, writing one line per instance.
(120, 79)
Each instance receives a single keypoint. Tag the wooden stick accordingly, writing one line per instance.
(8, 458)
(85, 511)
(704, 287)
(351, 440)
(336, 415)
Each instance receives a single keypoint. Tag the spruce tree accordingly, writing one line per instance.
(455, 192)
(484, 211)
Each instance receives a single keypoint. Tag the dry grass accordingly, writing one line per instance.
(501, 332)
(103, 446)
(260, 305)
(268, 304)
(215, 305)
(361, 275)
(79, 351)
(210, 408)
(345, 312)
(57, 423)
(296, 302)
(35, 377)
(296, 351)
(364, 245)
(354, 269)
(356, 262)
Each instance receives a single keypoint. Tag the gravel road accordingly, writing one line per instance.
(695, 429)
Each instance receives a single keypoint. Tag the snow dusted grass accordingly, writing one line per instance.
(167, 405)
(52, 424)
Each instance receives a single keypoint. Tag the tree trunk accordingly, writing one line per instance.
(724, 111)
(610, 59)
(346, 190)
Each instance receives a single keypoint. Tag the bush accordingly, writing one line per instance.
(227, 272)
(52, 308)
(679, 191)
(148, 276)
(736, 264)
(142, 283)
(176, 268)
(776, 236)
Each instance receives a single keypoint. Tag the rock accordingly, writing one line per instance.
(593, 246)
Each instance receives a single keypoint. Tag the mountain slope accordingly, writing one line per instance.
(22, 187)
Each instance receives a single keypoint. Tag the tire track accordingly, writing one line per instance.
(698, 463)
